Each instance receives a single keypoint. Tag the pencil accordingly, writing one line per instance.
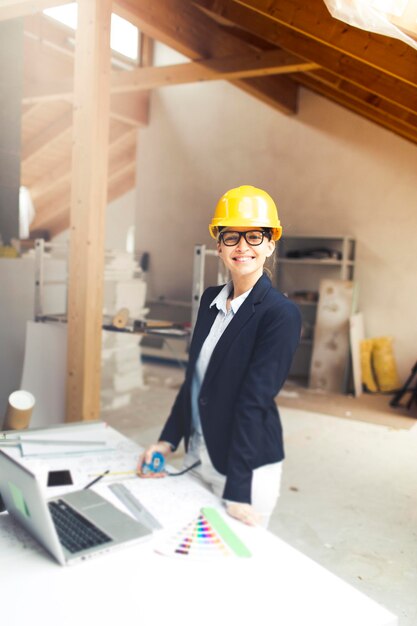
(96, 479)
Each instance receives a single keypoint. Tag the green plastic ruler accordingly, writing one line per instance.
(226, 533)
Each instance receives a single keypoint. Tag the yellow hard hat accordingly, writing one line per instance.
(246, 206)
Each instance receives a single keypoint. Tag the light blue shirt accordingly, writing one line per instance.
(223, 319)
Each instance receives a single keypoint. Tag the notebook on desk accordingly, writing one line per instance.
(72, 527)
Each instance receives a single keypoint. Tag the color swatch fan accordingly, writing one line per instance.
(206, 537)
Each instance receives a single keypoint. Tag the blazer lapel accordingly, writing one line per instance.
(245, 312)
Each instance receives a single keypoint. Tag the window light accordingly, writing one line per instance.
(124, 36)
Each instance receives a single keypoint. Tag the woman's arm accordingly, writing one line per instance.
(277, 340)
(177, 423)
(173, 430)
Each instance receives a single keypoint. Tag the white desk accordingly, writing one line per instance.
(138, 586)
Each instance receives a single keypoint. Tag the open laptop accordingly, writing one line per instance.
(72, 527)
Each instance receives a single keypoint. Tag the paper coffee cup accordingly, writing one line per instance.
(19, 410)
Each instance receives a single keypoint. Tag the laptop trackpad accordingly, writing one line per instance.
(111, 520)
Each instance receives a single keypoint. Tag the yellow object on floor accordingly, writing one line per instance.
(384, 364)
(9, 252)
(368, 378)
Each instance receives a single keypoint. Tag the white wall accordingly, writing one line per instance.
(330, 171)
(120, 216)
(17, 294)
(17, 289)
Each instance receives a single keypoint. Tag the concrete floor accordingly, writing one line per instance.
(348, 497)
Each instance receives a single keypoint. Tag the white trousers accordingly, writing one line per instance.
(266, 480)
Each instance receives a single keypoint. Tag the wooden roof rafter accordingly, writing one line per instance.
(56, 214)
(180, 25)
(262, 63)
(31, 110)
(314, 20)
(373, 78)
(122, 182)
(359, 105)
(51, 193)
(50, 135)
(126, 166)
(44, 186)
(354, 58)
(268, 48)
(377, 103)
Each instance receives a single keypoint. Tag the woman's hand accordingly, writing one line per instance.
(243, 512)
(164, 448)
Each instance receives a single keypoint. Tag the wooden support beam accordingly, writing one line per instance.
(146, 50)
(356, 70)
(281, 95)
(146, 56)
(88, 205)
(262, 63)
(10, 9)
(180, 25)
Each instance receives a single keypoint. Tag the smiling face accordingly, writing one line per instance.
(245, 262)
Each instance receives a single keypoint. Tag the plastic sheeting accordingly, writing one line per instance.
(373, 15)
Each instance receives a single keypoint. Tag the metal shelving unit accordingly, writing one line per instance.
(299, 274)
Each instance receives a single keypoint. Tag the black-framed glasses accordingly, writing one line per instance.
(252, 237)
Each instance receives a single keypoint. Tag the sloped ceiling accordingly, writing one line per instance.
(268, 48)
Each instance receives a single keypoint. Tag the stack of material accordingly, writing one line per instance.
(121, 372)
(330, 360)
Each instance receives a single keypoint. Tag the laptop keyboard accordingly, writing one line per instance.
(75, 532)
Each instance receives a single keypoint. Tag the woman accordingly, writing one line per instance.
(244, 339)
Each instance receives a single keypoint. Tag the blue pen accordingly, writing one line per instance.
(96, 479)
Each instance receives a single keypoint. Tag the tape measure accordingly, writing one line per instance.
(157, 464)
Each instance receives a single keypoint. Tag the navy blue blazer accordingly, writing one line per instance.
(249, 365)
